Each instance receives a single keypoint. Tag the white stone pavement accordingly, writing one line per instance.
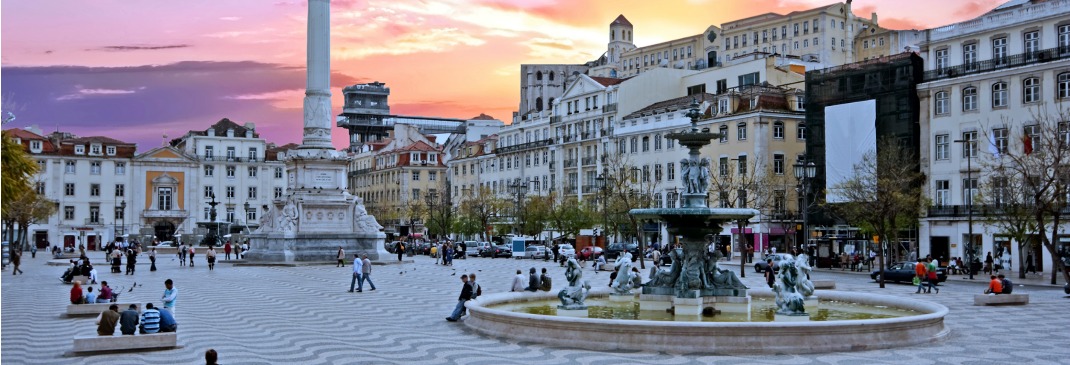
(303, 315)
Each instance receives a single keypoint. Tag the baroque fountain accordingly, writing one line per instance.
(695, 306)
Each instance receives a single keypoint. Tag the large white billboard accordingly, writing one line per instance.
(850, 133)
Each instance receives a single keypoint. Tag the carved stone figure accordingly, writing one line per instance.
(666, 278)
(686, 177)
(625, 277)
(805, 286)
(287, 220)
(573, 296)
(789, 300)
(692, 274)
(703, 176)
(721, 278)
(267, 221)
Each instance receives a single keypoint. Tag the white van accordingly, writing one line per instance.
(473, 248)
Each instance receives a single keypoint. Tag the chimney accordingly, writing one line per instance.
(873, 18)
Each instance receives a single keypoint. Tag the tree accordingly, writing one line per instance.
(569, 216)
(26, 209)
(1038, 164)
(627, 187)
(536, 217)
(17, 176)
(884, 193)
(438, 210)
(1009, 211)
(480, 210)
(745, 183)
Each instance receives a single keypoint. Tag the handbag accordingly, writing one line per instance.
(917, 280)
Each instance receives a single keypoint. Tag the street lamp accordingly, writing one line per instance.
(601, 181)
(968, 149)
(246, 206)
(804, 174)
(431, 196)
(519, 190)
(122, 218)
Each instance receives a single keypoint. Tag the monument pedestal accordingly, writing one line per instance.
(577, 313)
(654, 302)
(689, 307)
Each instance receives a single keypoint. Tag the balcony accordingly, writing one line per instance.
(962, 211)
(570, 189)
(570, 163)
(94, 222)
(555, 119)
(609, 108)
(1022, 59)
(524, 146)
(588, 161)
(157, 213)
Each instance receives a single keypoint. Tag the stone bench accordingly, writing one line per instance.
(123, 343)
(92, 309)
(83, 279)
(824, 284)
(1001, 299)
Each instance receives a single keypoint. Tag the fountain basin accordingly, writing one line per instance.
(728, 338)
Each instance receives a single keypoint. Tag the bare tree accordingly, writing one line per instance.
(628, 187)
(745, 183)
(481, 209)
(884, 193)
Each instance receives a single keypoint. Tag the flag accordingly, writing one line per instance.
(1027, 141)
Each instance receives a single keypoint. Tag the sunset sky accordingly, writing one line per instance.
(137, 70)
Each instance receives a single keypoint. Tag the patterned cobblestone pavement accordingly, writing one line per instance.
(303, 315)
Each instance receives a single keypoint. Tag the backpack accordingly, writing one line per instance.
(546, 283)
(1007, 286)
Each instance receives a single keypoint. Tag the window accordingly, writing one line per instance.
(748, 79)
(741, 131)
(941, 60)
(231, 153)
(657, 142)
(723, 130)
(722, 166)
(969, 190)
(230, 192)
(999, 138)
(68, 189)
(69, 167)
(120, 168)
(120, 190)
(635, 145)
(796, 45)
(999, 94)
(230, 214)
(433, 175)
(79, 149)
(865, 44)
(252, 192)
(999, 50)
(94, 149)
(278, 172)
(741, 198)
(209, 191)
(68, 213)
(941, 103)
(94, 189)
(39, 187)
(1062, 89)
(231, 170)
(741, 165)
(119, 214)
(779, 201)
(94, 168)
(1064, 39)
(415, 176)
(722, 106)
(969, 99)
(646, 143)
(795, 30)
(778, 164)
(943, 193)
(209, 170)
(670, 171)
(969, 56)
(278, 193)
(800, 102)
(253, 153)
(1032, 43)
(250, 214)
(252, 171)
(943, 147)
(209, 152)
(800, 131)
(778, 130)
(969, 148)
(1031, 90)
(657, 172)
(110, 150)
(806, 43)
(163, 196)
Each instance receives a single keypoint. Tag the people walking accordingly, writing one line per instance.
(182, 254)
(466, 295)
(921, 276)
(16, 259)
(930, 275)
(400, 249)
(210, 256)
(226, 250)
(152, 259)
(366, 272)
(341, 257)
(192, 252)
(131, 260)
(358, 270)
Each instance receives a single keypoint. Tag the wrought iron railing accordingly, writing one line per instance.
(1021, 59)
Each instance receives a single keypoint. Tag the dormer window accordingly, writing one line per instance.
(94, 149)
(79, 149)
(433, 157)
(35, 146)
(230, 132)
(110, 150)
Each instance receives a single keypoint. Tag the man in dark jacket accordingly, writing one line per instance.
(466, 295)
(533, 281)
(107, 320)
(128, 320)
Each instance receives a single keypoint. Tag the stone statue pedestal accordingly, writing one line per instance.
(791, 318)
(687, 306)
(728, 304)
(615, 297)
(576, 313)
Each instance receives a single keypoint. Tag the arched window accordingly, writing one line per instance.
(646, 143)
(538, 75)
(969, 98)
(621, 147)
(657, 142)
(551, 77)
(635, 145)
(1031, 90)
(538, 104)
(1063, 87)
(999, 94)
(778, 130)
(941, 103)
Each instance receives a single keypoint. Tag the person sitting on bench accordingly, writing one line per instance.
(995, 286)
(106, 294)
(167, 321)
(76, 293)
(1008, 286)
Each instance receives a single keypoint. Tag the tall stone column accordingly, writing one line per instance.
(317, 132)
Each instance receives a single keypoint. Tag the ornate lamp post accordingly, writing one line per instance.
(246, 206)
(601, 181)
(122, 218)
(968, 146)
(431, 196)
(804, 175)
(518, 189)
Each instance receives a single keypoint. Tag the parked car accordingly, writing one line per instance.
(615, 249)
(167, 244)
(777, 257)
(566, 250)
(498, 251)
(904, 272)
(590, 253)
(536, 252)
(473, 248)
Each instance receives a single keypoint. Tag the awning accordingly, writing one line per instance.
(416, 235)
